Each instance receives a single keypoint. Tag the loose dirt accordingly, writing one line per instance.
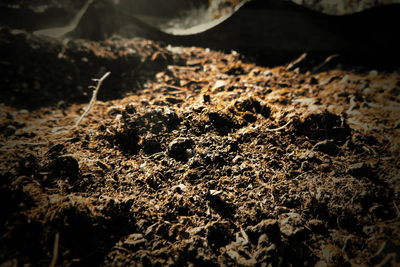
(205, 159)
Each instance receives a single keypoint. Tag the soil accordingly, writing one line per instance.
(193, 157)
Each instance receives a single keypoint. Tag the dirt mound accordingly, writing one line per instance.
(213, 161)
(40, 70)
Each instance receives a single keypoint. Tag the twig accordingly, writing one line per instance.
(279, 128)
(326, 61)
(296, 62)
(55, 250)
(94, 97)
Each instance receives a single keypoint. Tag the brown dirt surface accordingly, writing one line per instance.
(209, 161)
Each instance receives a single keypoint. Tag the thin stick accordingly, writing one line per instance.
(55, 250)
(94, 97)
(326, 61)
(296, 62)
(280, 128)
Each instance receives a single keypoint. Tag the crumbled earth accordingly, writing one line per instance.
(211, 161)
